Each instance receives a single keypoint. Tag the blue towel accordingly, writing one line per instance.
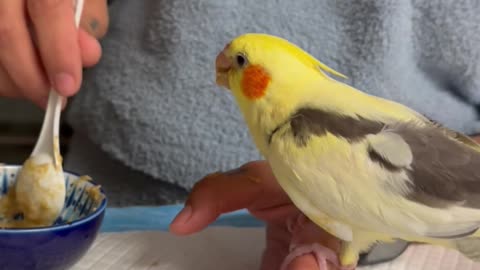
(159, 219)
(152, 105)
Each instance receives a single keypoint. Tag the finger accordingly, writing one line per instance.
(7, 87)
(309, 262)
(278, 241)
(309, 233)
(249, 187)
(305, 262)
(18, 55)
(95, 19)
(277, 212)
(58, 44)
(306, 234)
(276, 247)
(312, 257)
(212, 197)
(90, 49)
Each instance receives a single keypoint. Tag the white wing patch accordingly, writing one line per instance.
(392, 148)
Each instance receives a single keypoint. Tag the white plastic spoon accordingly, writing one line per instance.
(40, 184)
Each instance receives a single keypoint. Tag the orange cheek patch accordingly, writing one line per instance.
(255, 81)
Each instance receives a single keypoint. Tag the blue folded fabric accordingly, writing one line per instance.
(158, 218)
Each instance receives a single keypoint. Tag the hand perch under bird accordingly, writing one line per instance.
(363, 168)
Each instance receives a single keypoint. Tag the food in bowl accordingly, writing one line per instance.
(77, 190)
(27, 246)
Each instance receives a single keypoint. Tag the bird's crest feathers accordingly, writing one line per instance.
(303, 56)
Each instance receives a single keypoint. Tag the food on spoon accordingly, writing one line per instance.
(40, 190)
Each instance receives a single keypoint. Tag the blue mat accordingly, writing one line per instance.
(158, 218)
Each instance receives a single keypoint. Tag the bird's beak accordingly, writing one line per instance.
(222, 66)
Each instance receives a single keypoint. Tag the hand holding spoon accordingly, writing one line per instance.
(40, 185)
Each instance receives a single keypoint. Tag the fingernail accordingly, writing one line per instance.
(183, 216)
(64, 83)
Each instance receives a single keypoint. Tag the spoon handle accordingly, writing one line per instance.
(50, 127)
(51, 121)
(78, 4)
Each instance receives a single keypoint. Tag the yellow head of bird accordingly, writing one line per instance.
(269, 78)
(253, 65)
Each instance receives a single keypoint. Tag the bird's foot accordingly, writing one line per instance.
(321, 253)
(306, 239)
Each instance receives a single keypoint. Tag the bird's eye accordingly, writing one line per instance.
(241, 60)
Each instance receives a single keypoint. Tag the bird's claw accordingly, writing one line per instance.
(321, 253)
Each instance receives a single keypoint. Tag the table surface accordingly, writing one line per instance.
(136, 238)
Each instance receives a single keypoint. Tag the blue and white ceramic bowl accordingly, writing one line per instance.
(61, 245)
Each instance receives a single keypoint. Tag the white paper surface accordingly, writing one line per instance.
(215, 248)
(219, 248)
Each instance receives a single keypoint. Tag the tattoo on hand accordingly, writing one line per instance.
(94, 25)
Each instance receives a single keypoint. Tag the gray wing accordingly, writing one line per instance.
(443, 165)
(443, 170)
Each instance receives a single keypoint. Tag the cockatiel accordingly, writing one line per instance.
(363, 168)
